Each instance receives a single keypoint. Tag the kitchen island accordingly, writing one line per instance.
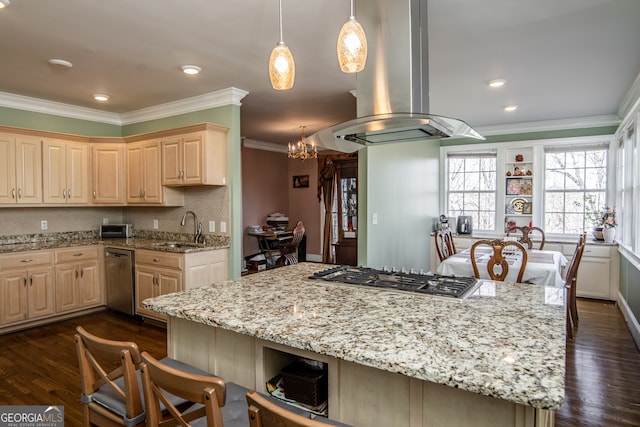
(394, 359)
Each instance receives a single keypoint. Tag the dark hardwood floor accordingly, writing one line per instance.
(39, 366)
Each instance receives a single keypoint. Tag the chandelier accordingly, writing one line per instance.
(299, 150)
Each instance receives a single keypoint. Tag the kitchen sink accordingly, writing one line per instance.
(179, 245)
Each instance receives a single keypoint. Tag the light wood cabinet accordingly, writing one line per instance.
(108, 174)
(20, 170)
(65, 169)
(159, 273)
(26, 286)
(144, 181)
(77, 273)
(194, 159)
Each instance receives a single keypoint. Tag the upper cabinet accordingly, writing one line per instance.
(108, 174)
(20, 170)
(65, 168)
(144, 185)
(197, 158)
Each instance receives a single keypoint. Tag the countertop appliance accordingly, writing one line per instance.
(120, 279)
(429, 284)
(116, 231)
(464, 224)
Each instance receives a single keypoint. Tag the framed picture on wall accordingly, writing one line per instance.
(300, 181)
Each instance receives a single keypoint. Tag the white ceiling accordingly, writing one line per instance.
(561, 58)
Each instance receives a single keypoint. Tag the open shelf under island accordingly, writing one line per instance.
(394, 359)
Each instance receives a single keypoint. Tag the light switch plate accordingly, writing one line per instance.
(223, 227)
(374, 218)
(212, 226)
(105, 221)
(155, 224)
(44, 225)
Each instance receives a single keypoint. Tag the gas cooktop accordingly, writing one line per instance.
(430, 284)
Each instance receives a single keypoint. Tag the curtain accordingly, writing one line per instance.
(326, 188)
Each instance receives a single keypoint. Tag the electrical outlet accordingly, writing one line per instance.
(374, 218)
(105, 221)
(223, 227)
(43, 224)
(155, 224)
(212, 226)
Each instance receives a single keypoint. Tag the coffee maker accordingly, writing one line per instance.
(464, 224)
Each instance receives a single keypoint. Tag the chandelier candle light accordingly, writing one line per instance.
(352, 45)
(299, 149)
(282, 69)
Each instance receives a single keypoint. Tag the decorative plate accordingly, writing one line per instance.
(518, 205)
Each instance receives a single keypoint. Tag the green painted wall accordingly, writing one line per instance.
(52, 123)
(401, 184)
(629, 285)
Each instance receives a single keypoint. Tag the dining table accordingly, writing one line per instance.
(543, 267)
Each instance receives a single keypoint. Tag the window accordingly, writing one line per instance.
(472, 188)
(575, 188)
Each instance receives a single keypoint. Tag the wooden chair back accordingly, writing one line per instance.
(444, 243)
(526, 231)
(571, 281)
(497, 259)
(108, 379)
(160, 381)
(263, 413)
(289, 251)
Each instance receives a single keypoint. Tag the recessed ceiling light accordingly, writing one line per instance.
(4, 3)
(497, 82)
(191, 69)
(101, 97)
(510, 108)
(60, 64)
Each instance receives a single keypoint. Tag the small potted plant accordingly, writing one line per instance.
(609, 221)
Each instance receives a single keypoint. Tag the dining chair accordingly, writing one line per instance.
(444, 243)
(206, 399)
(571, 281)
(497, 258)
(289, 250)
(526, 235)
(264, 413)
(110, 393)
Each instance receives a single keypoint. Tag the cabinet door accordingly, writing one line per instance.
(169, 281)
(172, 161)
(13, 293)
(54, 172)
(41, 292)
(89, 283)
(77, 169)
(152, 174)
(593, 278)
(192, 172)
(108, 174)
(145, 288)
(8, 190)
(29, 170)
(134, 173)
(66, 287)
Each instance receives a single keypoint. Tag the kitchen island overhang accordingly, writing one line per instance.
(506, 341)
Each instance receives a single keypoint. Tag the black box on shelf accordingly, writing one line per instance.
(305, 384)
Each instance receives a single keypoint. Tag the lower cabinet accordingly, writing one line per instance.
(26, 292)
(77, 274)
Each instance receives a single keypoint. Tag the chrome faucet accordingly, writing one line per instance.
(197, 227)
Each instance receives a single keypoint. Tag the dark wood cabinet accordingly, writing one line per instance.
(347, 200)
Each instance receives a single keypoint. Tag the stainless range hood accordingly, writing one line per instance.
(393, 89)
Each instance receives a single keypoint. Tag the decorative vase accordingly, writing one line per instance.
(597, 233)
(608, 233)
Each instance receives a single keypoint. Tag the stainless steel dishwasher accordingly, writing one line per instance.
(119, 264)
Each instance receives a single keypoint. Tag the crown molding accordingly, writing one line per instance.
(37, 105)
(550, 125)
(229, 96)
(262, 145)
(631, 101)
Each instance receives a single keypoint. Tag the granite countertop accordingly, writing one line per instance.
(505, 341)
(133, 243)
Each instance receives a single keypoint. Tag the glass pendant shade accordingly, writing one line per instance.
(352, 47)
(282, 69)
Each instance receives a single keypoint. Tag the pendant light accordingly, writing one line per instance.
(282, 70)
(352, 45)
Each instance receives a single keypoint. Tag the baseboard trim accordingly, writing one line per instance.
(630, 318)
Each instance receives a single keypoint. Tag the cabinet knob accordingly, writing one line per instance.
(13, 193)
(94, 194)
(19, 193)
(68, 193)
(78, 254)
(64, 194)
(26, 260)
(25, 281)
(156, 260)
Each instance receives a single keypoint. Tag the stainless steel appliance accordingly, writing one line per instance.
(116, 231)
(119, 265)
(429, 284)
(464, 224)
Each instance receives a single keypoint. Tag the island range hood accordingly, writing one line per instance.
(393, 89)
